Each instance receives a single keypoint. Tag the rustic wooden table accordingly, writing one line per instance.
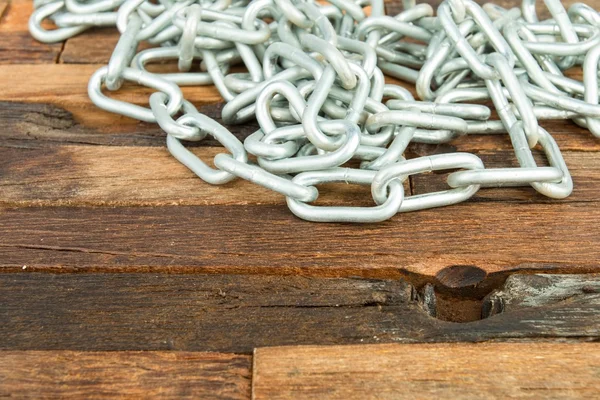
(124, 274)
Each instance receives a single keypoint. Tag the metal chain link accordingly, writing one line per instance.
(315, 83)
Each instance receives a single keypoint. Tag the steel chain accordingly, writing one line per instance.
(315, 84)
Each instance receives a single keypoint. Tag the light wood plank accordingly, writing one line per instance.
(130, 176)
(65, 85)
(133, 176)
(17, 46)
(68, 90)
(148, 375)
(441, 371)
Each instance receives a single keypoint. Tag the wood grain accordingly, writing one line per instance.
(68, 89)
(196, 312)
(31, 125)
(586, 178)
(17, 46)
(59, 109)
(83, 190)
(493, 237)
(539, 290)
(237, 313)
(131, 176)
(72, 374)
(441, 371)
(3, 6)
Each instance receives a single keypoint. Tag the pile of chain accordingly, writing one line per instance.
(315, 84)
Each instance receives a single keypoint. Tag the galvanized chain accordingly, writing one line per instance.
(315, 82)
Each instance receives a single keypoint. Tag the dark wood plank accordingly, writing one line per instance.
(493, 237)
(539, 290)
(38, 124)
(237, 313)
(195, 312)
(444, 371)
(33, 125)
(148, 375)
(17, 45)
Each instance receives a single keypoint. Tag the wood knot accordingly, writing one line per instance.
(459, 276)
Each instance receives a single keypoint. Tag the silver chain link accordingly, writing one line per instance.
(315, 82)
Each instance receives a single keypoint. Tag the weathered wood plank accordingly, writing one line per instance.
(196, 312)
(539, 290)
(17, 45)
(582, 167)
(31, 125)
(38, 124)
(127, 176)
(60, 374)
(78, 175)
(237, 313)
(94, 46)
(3, 6)
(87, 124)
(130, 176)
(494, 237)
(394, 7)
(441, 371)
(65, 85)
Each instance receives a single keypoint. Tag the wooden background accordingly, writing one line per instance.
(123, 273)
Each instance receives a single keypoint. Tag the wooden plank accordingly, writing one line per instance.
(586, 178)
(133, 176)
(394, 7)
(17, 45)
(524, 291)
(94, 46)
(484, 238)
(441, 371)
(65, 85)
(60, 374)
(129, 176)
(38, 124)
(196, 312)
(30, 125)
(237, 313)
(84, 123)
(3, 7)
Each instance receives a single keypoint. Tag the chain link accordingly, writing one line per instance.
(315, 84)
